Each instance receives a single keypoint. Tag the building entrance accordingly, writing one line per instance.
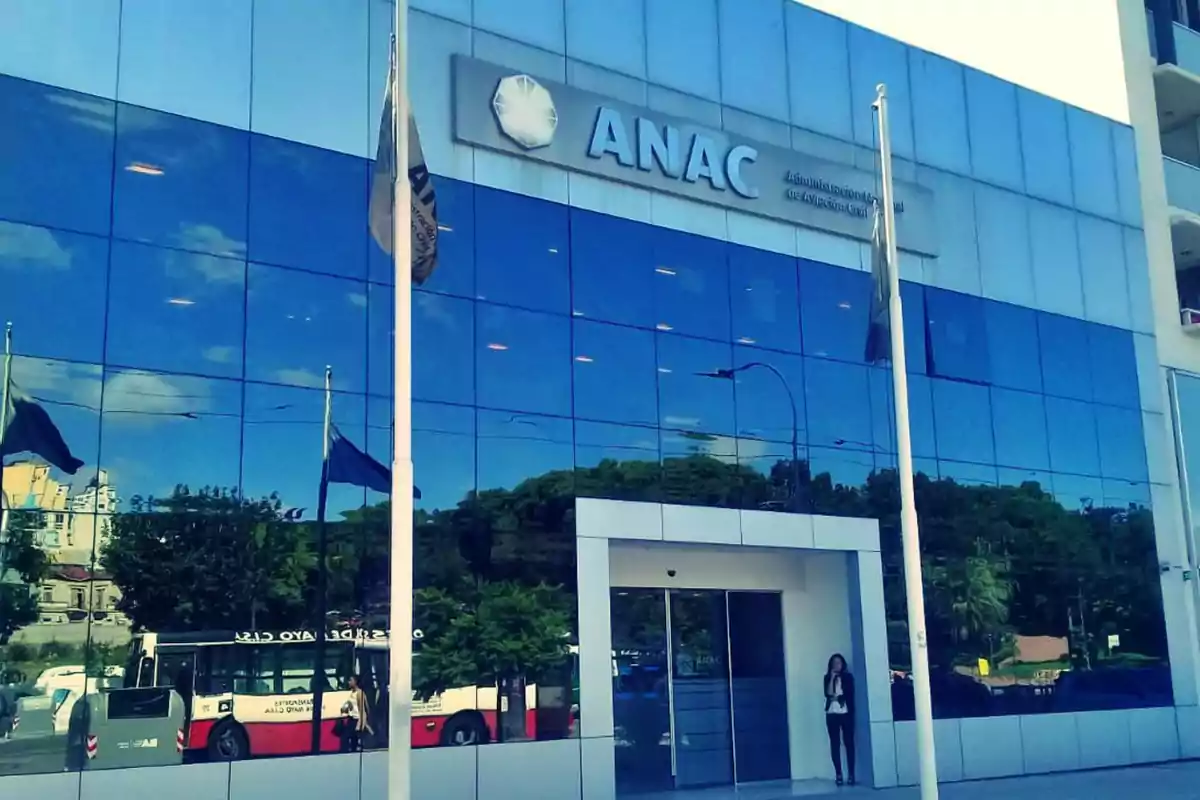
(699, 689)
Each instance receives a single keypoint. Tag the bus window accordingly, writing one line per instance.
(145, 672)
(297, 669)
(142, 704)
(257, 673)
(216, 668)
(133, 664)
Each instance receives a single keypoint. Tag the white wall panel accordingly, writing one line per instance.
(701, 525)
(845, 533)
(1103, 739)
(438, 773)
(1153, 736)
(598, 760)
(57, 786)
(531, 770)
(191, 782)
(433, 41)
(947, 746)
(518, 175)
(606, 197)
(595, 638)
(615, 519)
(517, 56)
(332, 775)
(771, 529)
(1187, 722)
(883, 755)
(991, 747)
(1050, 742)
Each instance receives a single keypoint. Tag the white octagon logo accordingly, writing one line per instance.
(525, 111)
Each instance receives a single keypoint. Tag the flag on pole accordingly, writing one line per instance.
(29, 429)
(879, 333)
(424, 202)
(348, 464)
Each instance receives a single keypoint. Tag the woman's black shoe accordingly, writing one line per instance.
(851, 781)
(839, 780)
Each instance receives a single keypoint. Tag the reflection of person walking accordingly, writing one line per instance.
(839, 714)
(355, 721)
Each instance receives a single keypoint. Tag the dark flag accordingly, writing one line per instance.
(420, 189)
(879, 331)
(348, 464)
(29, 429)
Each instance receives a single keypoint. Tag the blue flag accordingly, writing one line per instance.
(879, 331)
(348, 464)
(29, 429)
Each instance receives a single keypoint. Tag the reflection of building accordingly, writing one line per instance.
(70, 526)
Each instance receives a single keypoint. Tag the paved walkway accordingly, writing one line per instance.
(1178, 781)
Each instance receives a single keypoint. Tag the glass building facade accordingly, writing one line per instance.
(184, 252)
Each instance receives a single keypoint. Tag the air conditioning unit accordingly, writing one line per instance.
(1190, 319)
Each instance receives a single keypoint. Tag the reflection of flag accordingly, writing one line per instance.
(879, 333)
(29, 429)
(348, 464)
(421, 195)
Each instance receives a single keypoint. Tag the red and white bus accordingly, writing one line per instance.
(250, 694)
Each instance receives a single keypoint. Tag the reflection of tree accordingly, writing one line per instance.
(209, 560)
(23, 566)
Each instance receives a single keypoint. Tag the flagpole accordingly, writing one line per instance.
(322, 604)
(915, 593)
(401, 552)
(8, 329)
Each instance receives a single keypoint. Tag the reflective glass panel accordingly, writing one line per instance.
(920, 413)
(834, 304)
(521, 252)
(612, 269)
(769, 394)
(522, 360)
(58, 162)
(1092, 145)
(689, 397)
(617, 462)
(308, 207)
(957, 336)
(1065, 356)
(297, 323)
(1019, 422)
(177, 311)
(1074, 446)
(838, 400)
(939, 112)
(43, 270)
(995, 129)
(443, 348)
(963, 419)
(691, 285)
(180, 183)
(1122, 444)
(1044, 145)
(1012, 346)
(1114, 366)
(766, 309)
(455, 273)
(163, 435)
(615, 374)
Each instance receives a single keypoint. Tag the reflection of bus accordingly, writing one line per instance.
(252, 693)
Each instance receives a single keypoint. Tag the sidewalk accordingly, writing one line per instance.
(1178, 780)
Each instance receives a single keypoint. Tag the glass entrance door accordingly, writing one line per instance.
(699, 696)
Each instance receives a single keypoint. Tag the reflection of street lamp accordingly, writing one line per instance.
(727, 374)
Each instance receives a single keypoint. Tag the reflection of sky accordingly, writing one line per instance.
(228, 268)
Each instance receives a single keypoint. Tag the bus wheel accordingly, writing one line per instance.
(228, 742)
(465, 728)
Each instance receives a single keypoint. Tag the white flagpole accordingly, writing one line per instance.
(8, 327)
(400, 595)
(915, 592)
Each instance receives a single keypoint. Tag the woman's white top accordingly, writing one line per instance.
(836, 705)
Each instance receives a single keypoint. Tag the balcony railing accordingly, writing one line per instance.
(1183, 185)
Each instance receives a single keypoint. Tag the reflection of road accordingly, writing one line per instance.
(35, 755)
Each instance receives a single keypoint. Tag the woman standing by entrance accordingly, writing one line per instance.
(839, 714)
